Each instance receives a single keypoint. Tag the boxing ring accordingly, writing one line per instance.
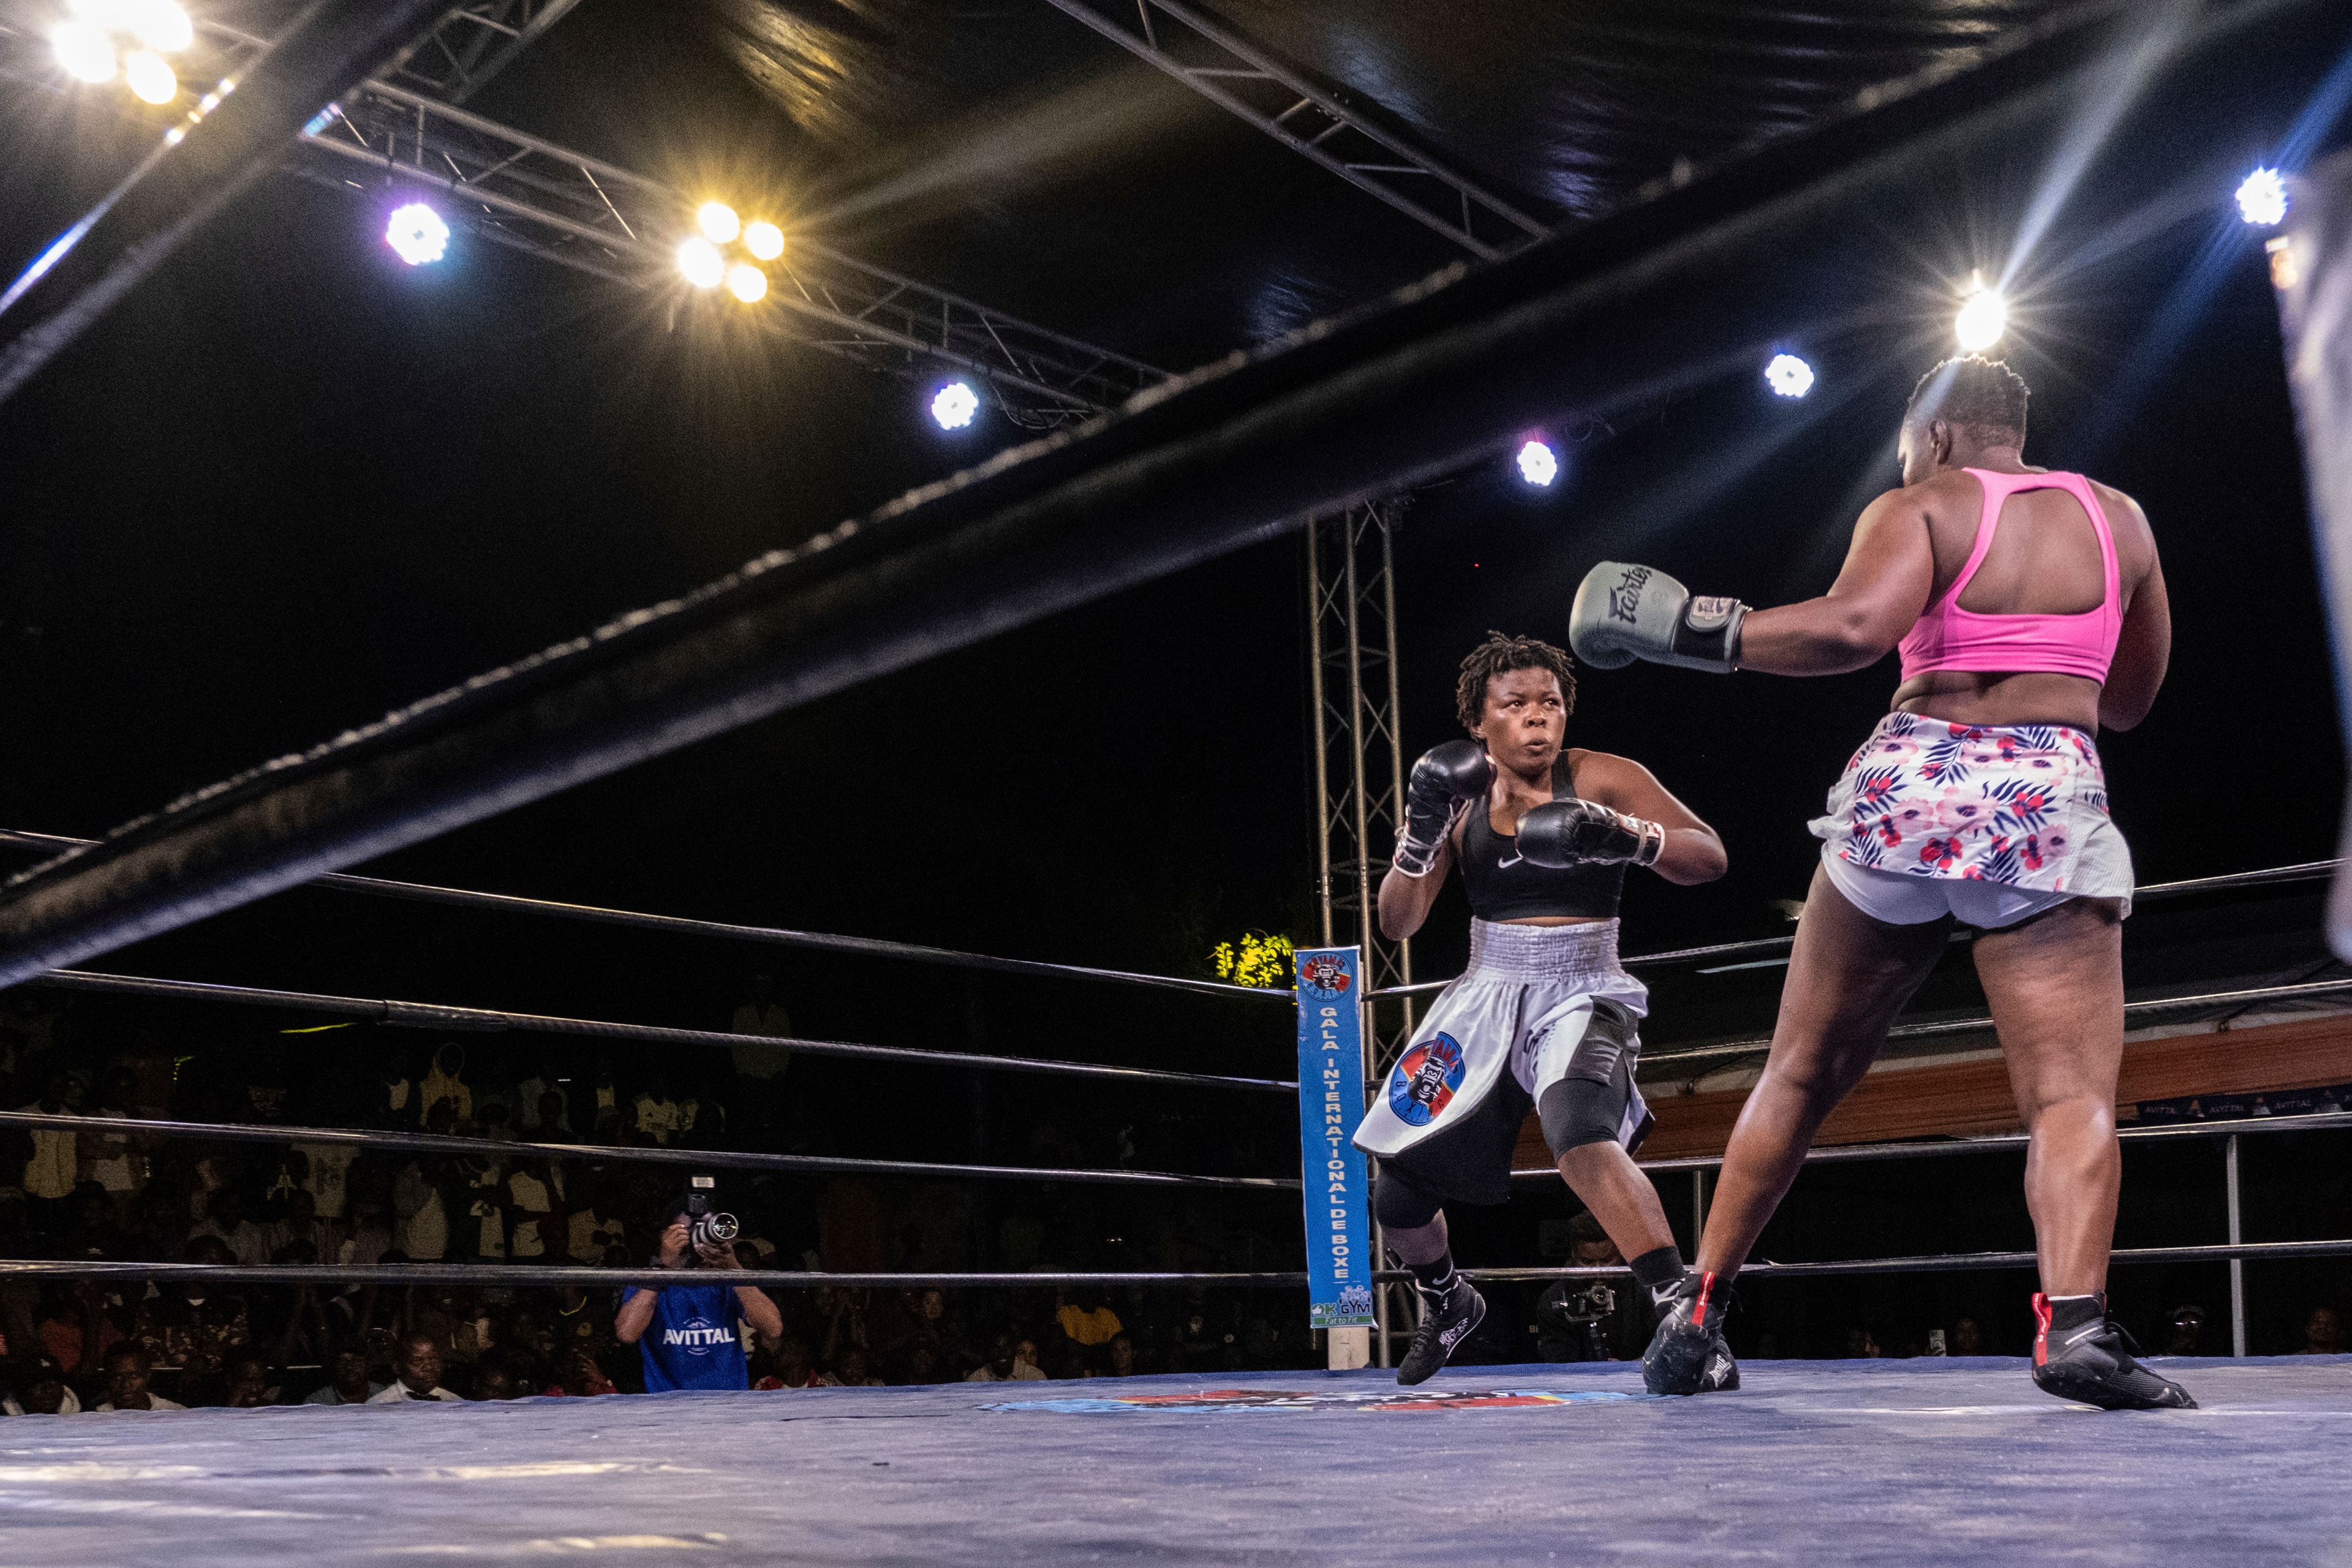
(1862, 1462)
(1957, 1460)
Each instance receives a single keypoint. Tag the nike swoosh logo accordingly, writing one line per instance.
(1506, 865)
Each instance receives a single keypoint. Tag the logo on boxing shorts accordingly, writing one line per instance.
(1626, 596)
(1325, 975)
(1424, 1079)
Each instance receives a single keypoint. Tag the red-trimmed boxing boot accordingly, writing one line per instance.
(1687, 1354)
(2078, 1354)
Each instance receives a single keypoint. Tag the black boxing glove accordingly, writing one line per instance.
(1442, 781)
(1563, 832)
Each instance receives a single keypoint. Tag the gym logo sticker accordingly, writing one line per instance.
(1424, 1081)
(1324, 975)
(1383, 1403)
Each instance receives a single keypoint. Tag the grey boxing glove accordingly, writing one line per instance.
(1444, 779)
(1564, 833)
(1623, 613)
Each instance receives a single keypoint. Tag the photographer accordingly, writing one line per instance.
(688, 1334)
(1580, 1320)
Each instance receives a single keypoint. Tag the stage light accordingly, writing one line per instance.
(700, 261)
(746, 282)
(1983, 317)
(954, 405)
(2261, 198)
(150, 78)
(718, 222)
(1539, 464)
(764, 240)
(1788, 377)
(417, 234)
(161, 25)
(84, 50)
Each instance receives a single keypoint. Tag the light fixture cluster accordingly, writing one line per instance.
(1983, 316)
(706, 258)
(98, 40)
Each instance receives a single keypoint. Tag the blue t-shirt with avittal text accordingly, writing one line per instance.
(693, 1340)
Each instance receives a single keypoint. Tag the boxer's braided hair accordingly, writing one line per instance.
(1499, 655)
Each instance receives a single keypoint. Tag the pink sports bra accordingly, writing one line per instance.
(1949, 638)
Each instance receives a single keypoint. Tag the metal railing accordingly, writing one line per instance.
(2234, 1252)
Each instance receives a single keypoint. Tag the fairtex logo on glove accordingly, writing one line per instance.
(1626, 596)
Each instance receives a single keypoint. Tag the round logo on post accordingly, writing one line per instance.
(1324, 975)
(1422, 1083)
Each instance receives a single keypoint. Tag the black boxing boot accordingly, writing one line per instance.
(1687, 1354)
(1450, 1309)
(2078, 1354)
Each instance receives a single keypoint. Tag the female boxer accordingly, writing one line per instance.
(2030, 609)
(1544, 1016)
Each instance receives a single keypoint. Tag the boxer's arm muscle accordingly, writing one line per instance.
(1405, 901)
(1694, 852)
(2142, 653)
(1879, 595)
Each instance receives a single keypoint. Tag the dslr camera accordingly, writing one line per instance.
(704, 1226)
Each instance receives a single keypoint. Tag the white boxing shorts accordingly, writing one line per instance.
(1537, 1004)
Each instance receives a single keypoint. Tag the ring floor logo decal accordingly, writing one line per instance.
(1280, 1399)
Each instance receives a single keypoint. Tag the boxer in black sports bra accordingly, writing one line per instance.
(1545, 1016)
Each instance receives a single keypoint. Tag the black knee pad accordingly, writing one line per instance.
(1576, 1111)
(1399, 1204)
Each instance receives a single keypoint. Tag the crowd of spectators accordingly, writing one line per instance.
(84, 1344)
(128, 1343)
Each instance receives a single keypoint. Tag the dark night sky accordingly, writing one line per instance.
(291, 484)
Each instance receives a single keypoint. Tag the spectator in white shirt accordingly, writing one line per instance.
(50, 1174)
(225, 1219)
(348, 1382)
(417, 1374)
(128, 1372)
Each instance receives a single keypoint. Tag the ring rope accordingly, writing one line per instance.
(433, 1016)
(600, 1154)
(680, 925)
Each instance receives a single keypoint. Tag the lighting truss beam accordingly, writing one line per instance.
(581, 211)
(472, 44)
(1230, 71)
(1234, 453)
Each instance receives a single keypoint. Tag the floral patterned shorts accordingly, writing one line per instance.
(2021, 805)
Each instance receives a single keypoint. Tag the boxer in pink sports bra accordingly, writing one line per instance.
(2030, 609)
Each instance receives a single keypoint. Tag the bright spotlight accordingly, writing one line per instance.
(1983, 317)
(150, 78)
(2261, 198)
(1789, 375)
(417, 234)
(718, 222)
(161, 25)
(700, 261)
(764, 240)
(84, 50)
(954, 405)
(1539, 465)
(746, 282)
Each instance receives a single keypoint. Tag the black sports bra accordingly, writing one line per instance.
(1502, 887)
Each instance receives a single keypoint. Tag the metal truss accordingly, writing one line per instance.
(1359, 770)
(519, 190)
(472, 44)
(1230, 71)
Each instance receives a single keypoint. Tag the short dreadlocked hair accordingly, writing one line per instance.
(1979, 392)
(1499, 655)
